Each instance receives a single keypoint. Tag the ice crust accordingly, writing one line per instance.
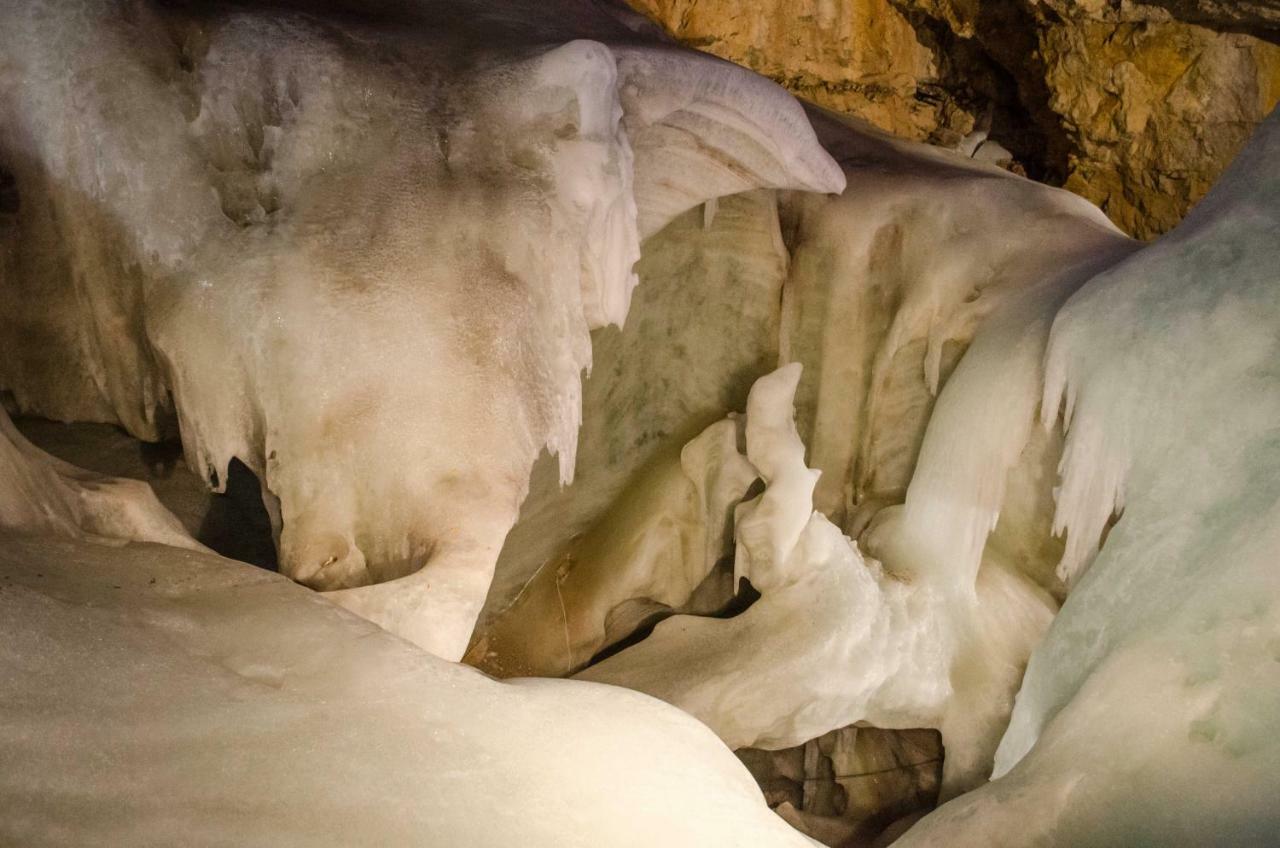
(333, 246)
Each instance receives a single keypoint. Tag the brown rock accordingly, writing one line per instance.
(1136, 106)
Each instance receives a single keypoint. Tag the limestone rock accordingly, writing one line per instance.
(1137, 107)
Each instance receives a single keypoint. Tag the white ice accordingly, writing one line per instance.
(834, 638)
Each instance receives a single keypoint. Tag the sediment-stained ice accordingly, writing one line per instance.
(878, 292)
(1149, 715)
(924, 325)
(360, 253)
(655, 385)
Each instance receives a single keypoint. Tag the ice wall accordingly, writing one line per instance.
(704, 324)
(1149, 714)
(360, 253)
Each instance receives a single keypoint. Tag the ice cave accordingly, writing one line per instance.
(459, 423)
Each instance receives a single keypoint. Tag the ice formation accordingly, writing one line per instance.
(1149, 714)
(835, 638)
(369, 251)
(877, 292)
(654, 387)
(336, 247)
(213, 714)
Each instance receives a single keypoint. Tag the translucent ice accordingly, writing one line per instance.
(921, 323)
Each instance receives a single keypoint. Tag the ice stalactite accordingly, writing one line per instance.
(363, 256)
(1149, 713)
(877, 292)
(654, 386)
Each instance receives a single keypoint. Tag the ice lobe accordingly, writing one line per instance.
(1149, 714)
(362, 254)
(712, 133)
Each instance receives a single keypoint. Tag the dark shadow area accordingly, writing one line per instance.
(738, 604)
(237, 525)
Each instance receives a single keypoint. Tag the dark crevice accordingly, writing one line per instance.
(237, 525)
(736, 605)
(998, 76)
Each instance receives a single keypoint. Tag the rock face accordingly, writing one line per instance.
(1136, 107)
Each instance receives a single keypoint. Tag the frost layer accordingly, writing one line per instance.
(1150, 714)
(360, 254)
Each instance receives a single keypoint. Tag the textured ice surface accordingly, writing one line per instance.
(654, 385)
(877, 292)
(1150, 714)
(360, 253)
(157, 696)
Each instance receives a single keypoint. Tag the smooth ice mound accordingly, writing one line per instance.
(213, 713)
(333, 246)
(155, 695)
